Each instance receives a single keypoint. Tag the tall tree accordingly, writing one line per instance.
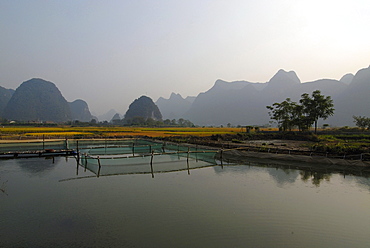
(289, 114)
(283, 113)
(317, 106)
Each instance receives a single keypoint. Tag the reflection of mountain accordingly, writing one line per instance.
(233, 169)
(281, 176)
(363, 182)
(38, 167)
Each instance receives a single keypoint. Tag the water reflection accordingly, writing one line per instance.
(283, 176)
(316, 173)
(315, 176)
(41, 168)
(223, 206)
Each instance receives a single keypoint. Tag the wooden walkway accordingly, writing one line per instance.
(40, 153)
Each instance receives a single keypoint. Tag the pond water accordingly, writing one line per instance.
(55, 203)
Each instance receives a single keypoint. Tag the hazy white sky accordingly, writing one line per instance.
(109, 53)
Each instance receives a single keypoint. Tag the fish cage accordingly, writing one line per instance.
(145, 158)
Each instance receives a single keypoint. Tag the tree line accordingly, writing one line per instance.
(302, 115)
(362, 122)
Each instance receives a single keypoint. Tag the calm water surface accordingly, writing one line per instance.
(46, 204)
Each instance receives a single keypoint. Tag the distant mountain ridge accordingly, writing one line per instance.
(41, 101)
(244, 103)
(237, 103)
(176, 109)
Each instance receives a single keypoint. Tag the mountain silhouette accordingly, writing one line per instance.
(5, 95)
(244, 103)
(80, 111)
(143, 107)
(175, 107)
(37, 100)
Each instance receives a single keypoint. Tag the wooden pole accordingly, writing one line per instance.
(78, 152)
(221, 156)
(85, 161)
(77, 168)
(187, 158)
(99, 166)
(151, 165)
(196, 153)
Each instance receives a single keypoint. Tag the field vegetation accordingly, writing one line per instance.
(26, 132)
(335, 141)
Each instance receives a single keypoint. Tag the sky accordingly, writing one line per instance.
(109, 53)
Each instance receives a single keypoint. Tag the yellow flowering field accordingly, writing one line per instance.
(68, 131)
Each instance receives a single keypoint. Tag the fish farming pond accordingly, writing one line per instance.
(138, 193)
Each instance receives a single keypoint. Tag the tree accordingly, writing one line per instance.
(362, 122)
(283, 113)
(289, 114)
(319, 106)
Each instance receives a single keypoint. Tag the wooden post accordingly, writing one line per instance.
(85, 161)
(133, 149)
(151, 165)
(178, 151)
(187, 158)
(78, 152)
(221, 158)
(187, 163)
(43, 142)
(99, 166)
(77, 168)
(151, 159)
(196, 153)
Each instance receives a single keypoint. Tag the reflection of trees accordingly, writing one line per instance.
(283, 176)
(315, 176)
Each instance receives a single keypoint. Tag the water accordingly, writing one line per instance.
(60, 204)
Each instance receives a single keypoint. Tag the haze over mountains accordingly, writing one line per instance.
(244, 103)
(237, 103)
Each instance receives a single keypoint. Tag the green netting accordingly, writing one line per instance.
(145, 157)
(144, 164)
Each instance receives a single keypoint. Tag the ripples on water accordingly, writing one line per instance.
(46, 204)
